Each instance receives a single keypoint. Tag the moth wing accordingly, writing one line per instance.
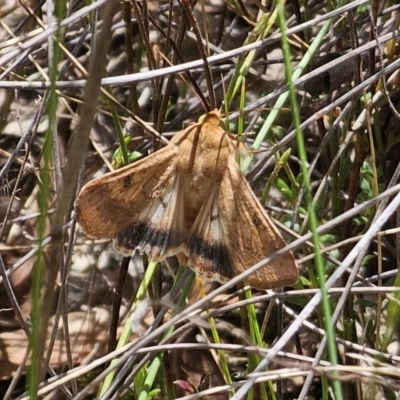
(250, 235)
(208, 253)
(158, 230)
(108, 204)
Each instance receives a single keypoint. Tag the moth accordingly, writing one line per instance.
(190, 200)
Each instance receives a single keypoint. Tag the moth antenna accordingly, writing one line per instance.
(175, 45)
(188, 78)
(189, 12)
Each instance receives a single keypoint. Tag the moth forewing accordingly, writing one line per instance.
(191, 200)
(158, 230)
(108, 204)
(251, 234)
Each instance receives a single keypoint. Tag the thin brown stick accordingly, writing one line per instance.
(119, 289)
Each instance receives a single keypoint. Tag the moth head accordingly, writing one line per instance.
(213, 118)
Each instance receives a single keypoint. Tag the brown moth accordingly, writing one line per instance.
(189, 200)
